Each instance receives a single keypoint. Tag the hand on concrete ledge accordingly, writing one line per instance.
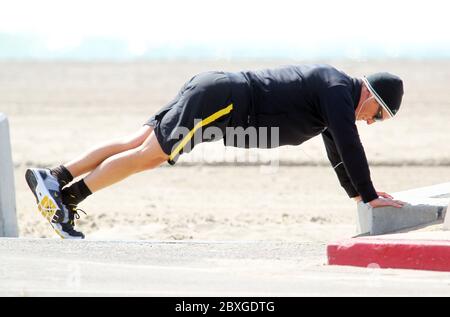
(386, 202)
(425, 206)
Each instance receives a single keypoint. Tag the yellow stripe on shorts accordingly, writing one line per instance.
(202, 123)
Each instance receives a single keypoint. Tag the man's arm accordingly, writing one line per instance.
(339, 168)
(338, 111)
(337, 164)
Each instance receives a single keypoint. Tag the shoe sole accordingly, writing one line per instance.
(47, 206)
(62, 234)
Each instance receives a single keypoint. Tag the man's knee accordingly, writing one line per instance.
(150, 154)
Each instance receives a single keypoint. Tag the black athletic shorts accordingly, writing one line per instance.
(210, 99)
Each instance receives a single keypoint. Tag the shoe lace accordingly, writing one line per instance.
(74, 210)
(76, 214)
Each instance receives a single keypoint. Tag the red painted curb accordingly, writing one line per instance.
(389, 253)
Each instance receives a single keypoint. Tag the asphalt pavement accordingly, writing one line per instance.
(49, 267)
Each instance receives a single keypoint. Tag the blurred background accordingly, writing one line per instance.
(198, 29)
(77, 73)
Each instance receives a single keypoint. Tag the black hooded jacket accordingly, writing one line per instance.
(304, 101)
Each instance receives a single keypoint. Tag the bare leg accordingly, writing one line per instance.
(89, 160)
(119, 166)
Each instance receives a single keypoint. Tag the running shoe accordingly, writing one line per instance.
(46, 189)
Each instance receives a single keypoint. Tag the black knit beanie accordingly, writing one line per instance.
(387, 89)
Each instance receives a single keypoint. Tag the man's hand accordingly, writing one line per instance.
(386, 202)
(383, 200)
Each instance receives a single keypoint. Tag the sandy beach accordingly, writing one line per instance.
(58, 109)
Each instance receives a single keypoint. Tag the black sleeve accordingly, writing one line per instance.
(337, 108)
(336, 162)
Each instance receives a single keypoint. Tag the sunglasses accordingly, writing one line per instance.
(379, 115)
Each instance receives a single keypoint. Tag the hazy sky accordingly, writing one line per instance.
(392, 24)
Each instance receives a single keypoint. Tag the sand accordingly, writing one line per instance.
(59, 109)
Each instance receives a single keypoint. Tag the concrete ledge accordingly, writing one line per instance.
(426, 206)
(8, 218)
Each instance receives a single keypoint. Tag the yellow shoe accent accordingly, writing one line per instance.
(47, 208)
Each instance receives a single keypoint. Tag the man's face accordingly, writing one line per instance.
(371, 111)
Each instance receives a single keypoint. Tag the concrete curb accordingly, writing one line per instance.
(391, 253)
(426, 206)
